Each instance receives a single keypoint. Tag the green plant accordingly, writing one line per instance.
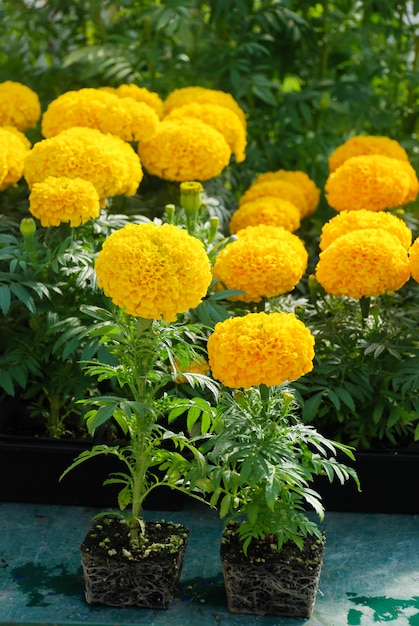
(265, 460)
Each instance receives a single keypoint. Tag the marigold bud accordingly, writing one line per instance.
(28, 227)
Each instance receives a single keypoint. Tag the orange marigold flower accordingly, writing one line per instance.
(260, 349)
(19, 106)
(347, 221)
(414, 260)
(185, 95)
(107, 161)
(14, 147)
(96, 108)
(366, 144)
(268, 210)
(62, 199)
(372, 182)
(363, 263)
(265, 261)
(185, 149)
(278, 188)
(299, 179)
(219, 117)
(153, 271)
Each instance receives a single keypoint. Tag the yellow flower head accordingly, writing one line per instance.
(185, 149)
(414, 260)
(268, 210)
(141, 94)
(347, 221)
(265, 261)
(96, 108)
(57, 200)
(366, 144)
(363, 263)
(299, 179)
(107, 161)
(372, 182)
(14, 147)
(280, 189)
(203, 95)
(19, 106)
(260, 349)
(219, 117)
(153, 271)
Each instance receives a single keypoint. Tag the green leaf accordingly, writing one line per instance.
(24, 296)
(6, 382)
(5, 298)
(225, 505)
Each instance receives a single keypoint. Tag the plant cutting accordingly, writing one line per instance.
(152, 273)
(265, 460)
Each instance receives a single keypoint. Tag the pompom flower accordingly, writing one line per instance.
(300, 180)
(95, 108)
(19, 106)
(363, 263)
(185, 149)
(366, 144)
(278, 188)
(414, 260)
(219, 117)
(347, 221)
(372, 182)
(267, 210)
(107, 161)
(265, 261)
(57, 200)
(140, 94)
(186, 95)
(14, 147)
(260, 349)
(153, 271)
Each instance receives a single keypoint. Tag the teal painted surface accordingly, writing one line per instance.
(370, 573)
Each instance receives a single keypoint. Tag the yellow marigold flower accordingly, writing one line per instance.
(19, 106)
(366, 144)
(280, 189)
(260, 349)
(198, 366)
(363, 263)
(141, 94)
(219, 117)
(57, 200)
(153, 271)
(413, 180)
(14, 147)
(347, 221)
(107, 161)
(185, 95)
(372, 182)
(299, 179)
(267, 210)
(185, 149)
(265, 261)
(95, 108)
(414, 260)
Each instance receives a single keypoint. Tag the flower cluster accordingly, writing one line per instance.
(14, 147)
(363, 263)
(154, 272)
(268, 210)
(186, 95)
(299, 179)
(219, 117)
(63, 199)
(19, 106)
(347, 221)
(366, 144)
(279, 188)
(95, 108)
(107, 161)
(264, 261)
(140, 94)
(185, 149)
(260, 349)
(372, 182)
